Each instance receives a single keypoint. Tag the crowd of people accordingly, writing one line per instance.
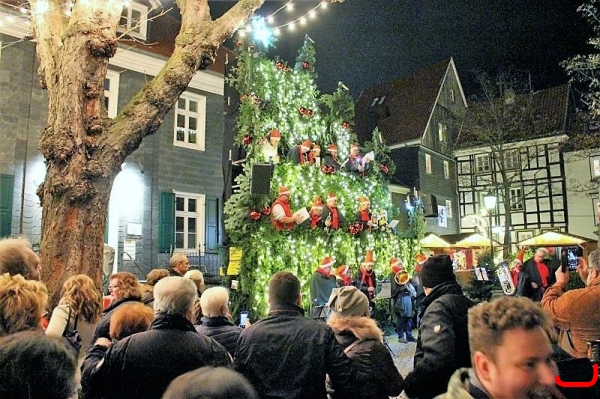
(179, 341)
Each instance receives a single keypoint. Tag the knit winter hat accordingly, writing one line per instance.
(332, 148)
(437, 270)
(275, 134)
(306, 143)
(520, 256)
(348, 301)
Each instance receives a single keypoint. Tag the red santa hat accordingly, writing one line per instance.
(327, 261)
(368, 258)
(332, 148)
(317, 203)
(420, 258)
(306, 143)
(396, 265)
(363, 200)
(275, 134)
(342, 270)
(331, 197)
(284, 191)
(520, 256)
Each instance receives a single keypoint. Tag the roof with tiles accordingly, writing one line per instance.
(400, 108)
(550, 116)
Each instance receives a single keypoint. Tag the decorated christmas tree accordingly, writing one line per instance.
(281, 111)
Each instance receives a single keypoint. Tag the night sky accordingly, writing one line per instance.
(364, 42)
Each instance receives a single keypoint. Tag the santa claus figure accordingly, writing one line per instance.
(366, 280)
(331, 158)
(322, 282)
(314, 157)
(316, 213)
(332, 216)
(343, 276)
(269, 149)
(299, 154)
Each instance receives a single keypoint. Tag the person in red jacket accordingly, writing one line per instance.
(281, 211)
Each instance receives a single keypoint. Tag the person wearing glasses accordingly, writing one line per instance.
(124, 289)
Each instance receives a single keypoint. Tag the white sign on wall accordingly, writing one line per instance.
(442, 216)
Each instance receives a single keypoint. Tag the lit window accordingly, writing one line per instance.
(449, 209)
(446, 170)
(442, 133)
(111, 93)
(190, 118)
(427, 163)
(189, 220)
(482, 163)
(134, 20)
(511, 159)
(516, 199)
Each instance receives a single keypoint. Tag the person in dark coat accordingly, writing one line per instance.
(286, 355)
(443, 341)
(179, 265)
(322, 282)
(216, 321)
(142, 365)
(124, 288)
(377, 377)
(535, 276)
(331, 159)
(210, 383)
(402, 299)
(332, 217)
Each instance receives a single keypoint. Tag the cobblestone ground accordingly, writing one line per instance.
(403, 355)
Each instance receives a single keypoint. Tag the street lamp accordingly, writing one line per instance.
(489, 201)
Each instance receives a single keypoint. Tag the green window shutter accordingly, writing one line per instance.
(166, 222)
(212, 224)
(7, 184)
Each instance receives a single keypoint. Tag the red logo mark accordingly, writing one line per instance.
(583, 384)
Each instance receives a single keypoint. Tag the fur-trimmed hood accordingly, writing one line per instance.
(363, 328)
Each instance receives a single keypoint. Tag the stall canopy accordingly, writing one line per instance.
(551, 238)
(474, 241)
(433, 241)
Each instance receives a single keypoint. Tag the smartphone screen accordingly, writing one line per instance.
(243, 319)
(569, 257)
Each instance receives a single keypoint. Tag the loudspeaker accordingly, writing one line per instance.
(260, 181)
(430, 209)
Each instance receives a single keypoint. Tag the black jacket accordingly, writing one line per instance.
(287, 356)
(103, 327)
(530, 274)
(143, 364)
(443, 342)
(376, 374)
(221, 330)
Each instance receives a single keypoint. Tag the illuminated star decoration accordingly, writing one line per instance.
(261, 32)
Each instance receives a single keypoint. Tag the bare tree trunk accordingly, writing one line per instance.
(83, 148)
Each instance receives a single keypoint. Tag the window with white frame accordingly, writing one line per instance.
(516, 199)
(189, 220)
(111, 93)
(511, 159)
(449, 208)
(452, 96)
(442, 133)
(482, 163)
(428, 163)
(134, 20)
(190, 120)
(446, 170)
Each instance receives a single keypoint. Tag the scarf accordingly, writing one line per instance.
(543, 270)
(324, 272)
(367, 277)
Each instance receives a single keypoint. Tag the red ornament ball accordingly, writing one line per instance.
(384, 168)
(305, 65)
(266, 210)
(345, 125)
(255, 215)
(247, 140)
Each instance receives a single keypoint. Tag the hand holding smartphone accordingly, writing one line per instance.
(243, 319)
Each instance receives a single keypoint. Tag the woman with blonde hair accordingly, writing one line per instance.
(79, 307)
(152, 278)
(124, 288)
(22, 304)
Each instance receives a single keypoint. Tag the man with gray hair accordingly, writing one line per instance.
(576, 311)
(17, 257)
(142, 365)
(535, 277)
